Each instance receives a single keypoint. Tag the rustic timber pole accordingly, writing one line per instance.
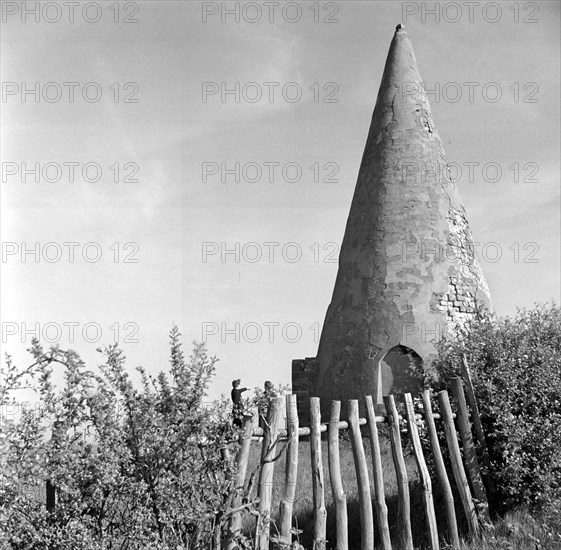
(470, 454)
(457, 466)
(242, 459)
(51, 496)
(268, 457)
(478, 427)
(50, 488)
(320, 513)
(291, 472)
(380, 502)
(404, 505)
(337, 489)
(423, 472)
(365, 503)
(441, 474)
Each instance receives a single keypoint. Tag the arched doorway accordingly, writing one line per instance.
(400, 370)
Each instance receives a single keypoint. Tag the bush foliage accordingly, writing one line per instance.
(152, 473)
(516, 370)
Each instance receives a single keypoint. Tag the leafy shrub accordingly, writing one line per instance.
(155, 470)
(516, 370)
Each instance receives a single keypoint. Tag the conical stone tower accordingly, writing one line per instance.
(407, 267)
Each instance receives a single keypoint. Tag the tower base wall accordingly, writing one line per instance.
(304, 385)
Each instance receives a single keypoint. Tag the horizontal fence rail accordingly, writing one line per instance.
(258, 433)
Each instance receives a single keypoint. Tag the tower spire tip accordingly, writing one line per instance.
(400, 27)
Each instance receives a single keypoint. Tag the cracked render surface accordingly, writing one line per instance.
(407, 268)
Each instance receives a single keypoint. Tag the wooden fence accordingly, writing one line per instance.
(464, 466)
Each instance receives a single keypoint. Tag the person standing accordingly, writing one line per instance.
(269, 391)
(237, 410)
(268, 394)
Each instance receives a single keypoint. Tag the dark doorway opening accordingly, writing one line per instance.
(401, 369)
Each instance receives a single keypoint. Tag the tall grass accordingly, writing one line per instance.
(520, 530)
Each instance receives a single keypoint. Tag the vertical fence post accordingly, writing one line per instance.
(457, 466)
(320, 513)
(51, 496)
(478, 427)
(242, 460)
(337, 489)
(50, 489)
(366, 519)
(404, 505)
(423, 472)
(291, 474)
(380, 505)
(470, 455)
(441, 474)
(268, 456)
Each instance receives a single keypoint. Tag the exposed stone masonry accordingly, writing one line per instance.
(468, 282)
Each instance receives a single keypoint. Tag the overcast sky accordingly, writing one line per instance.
(181, 95)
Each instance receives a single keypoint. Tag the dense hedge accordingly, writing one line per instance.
(516, 368)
